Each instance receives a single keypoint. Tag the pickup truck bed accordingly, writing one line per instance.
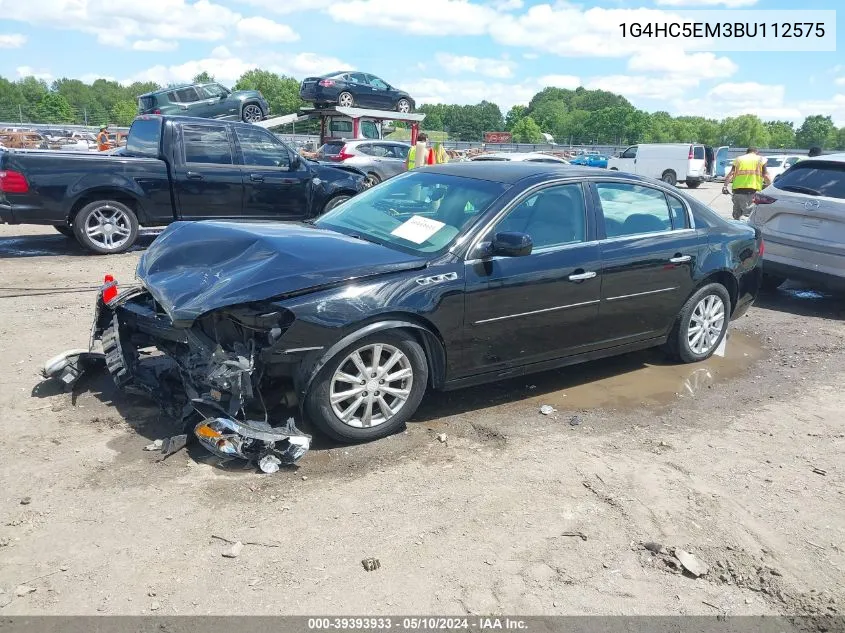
(173, 168)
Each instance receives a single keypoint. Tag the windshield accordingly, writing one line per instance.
(774, 162)
(419, 213)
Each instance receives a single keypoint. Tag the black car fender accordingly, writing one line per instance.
(432, 344)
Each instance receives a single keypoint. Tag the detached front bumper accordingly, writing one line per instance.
(214, 391)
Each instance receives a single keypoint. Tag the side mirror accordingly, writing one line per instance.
(295, 162)
(512, 244)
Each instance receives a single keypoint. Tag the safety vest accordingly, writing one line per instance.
(440, 155)
(102, 141)
(412, 158)
(748, 172)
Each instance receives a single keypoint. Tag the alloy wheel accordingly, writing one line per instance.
(371, 385)
(404, 107)
(706, 324)
(108, 227)
(345, 100)
(252, 113)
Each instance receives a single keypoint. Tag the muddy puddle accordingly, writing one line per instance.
(639, 380)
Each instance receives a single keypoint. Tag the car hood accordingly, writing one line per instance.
(195, 267)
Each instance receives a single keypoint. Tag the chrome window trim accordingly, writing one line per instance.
(640, 294)
(634, 236)
(522, 314)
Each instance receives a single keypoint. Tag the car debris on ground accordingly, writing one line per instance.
(547, 409)
(371, 564)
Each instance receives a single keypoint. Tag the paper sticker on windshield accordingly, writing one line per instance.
(418, 229)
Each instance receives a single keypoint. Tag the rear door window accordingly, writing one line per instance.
(144, 137)
(698, 152)
(208, 144)
(633, 209)
(814, 178)
(400, 151)
(185, 95)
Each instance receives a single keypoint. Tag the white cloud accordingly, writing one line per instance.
(530, 56)
(29, 71)
(839, 81)
(508, 5)
(644, 87)
(12, 40)
(118, 22)
(678, 62)
(265, 30)
(458, 64)
(435, 17)
(154, 45)
(697, 4)
(570, 82)
(290, 6)
(227, 68)
(748, 92)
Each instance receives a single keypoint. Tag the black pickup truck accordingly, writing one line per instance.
(172, 168)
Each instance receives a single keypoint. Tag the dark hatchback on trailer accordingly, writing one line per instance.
(442, 277)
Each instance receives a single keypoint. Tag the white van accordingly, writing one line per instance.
(670, 162)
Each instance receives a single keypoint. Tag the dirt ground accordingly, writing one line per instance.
(737, 460)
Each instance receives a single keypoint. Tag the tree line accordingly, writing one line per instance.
(579, 116)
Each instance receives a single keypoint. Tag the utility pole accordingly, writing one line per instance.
(85, 114)
(20, 113)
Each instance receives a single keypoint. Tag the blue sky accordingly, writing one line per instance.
(456, 51)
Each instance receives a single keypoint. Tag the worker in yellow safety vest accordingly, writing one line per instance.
(430, 155)
(748, 175)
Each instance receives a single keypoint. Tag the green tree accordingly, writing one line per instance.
(281, 92)
(746, 130)
(840, 138)
(526, 130)
(514, 115)
(781, 134)
(816, 130)
(550, 115)
(203, 78)
(53, 108)
(660, 128)
(124, 112)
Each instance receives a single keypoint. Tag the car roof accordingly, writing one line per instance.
(513, 156)
(510, 172)
(839, 157)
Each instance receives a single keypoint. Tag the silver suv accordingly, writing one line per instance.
(380, 160)
(802, 217)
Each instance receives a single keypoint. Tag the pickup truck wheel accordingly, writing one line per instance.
(369, 389)
(65, 230)
(252, 113)
(335, 202)
(106, 227)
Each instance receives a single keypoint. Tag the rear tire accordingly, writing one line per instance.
(371, 180)
(771, 283)
(65, 229)
(701, 324)
(345, 100)
(669, 177)
(335, 202)
(323, 407)
(91, 227)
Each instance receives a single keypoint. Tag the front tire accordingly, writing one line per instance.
(252, 113)
(371, 180)
(106, 227)
(370, 389)
(403, 106)
(335, 202)
(701, 325)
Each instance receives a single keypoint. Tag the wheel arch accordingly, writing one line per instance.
(107, 193)
(420, 329)
(725, 278)
(249, 102)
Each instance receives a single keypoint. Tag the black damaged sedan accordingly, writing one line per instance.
(443, 277)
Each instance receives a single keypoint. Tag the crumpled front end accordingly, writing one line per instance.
(210, 375)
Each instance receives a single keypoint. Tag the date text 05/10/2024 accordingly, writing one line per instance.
(677, 30)
(417, 624)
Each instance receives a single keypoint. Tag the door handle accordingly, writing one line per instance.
(680, 259)
(256, 178)
(582, 276)
(192, 175)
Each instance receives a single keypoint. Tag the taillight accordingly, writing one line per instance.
(759, 198)
(109, 289)
(13, 182)
(762, 247)
(343, 154)
(691, 155)
(156, 111)
(327, 83)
